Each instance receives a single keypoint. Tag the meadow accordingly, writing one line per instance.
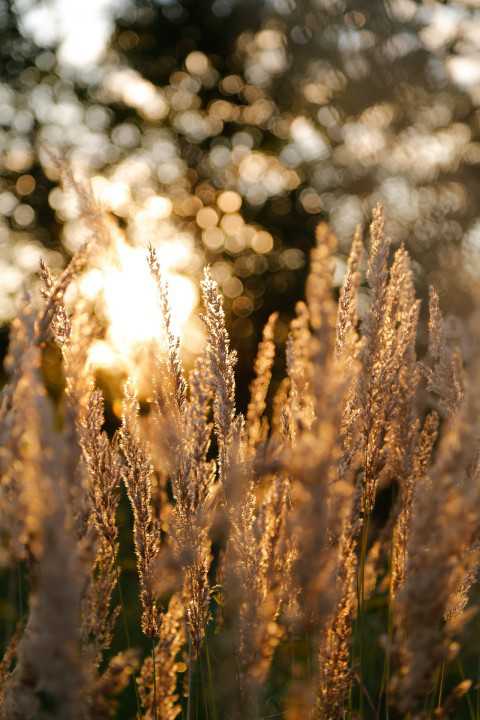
(314, 557)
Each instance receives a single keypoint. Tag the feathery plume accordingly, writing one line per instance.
(222, 362)
(173, 342)
(260, 384)
(137, 476)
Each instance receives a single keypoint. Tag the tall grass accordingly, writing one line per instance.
(313, 558)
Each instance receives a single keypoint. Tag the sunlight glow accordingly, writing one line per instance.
(126, 296)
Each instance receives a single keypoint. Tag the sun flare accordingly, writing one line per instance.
(125, 295)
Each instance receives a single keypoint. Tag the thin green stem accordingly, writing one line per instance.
(154, 664)
(441, 684)
(363, 557)
(204, 684)
(210, 682)
(189, 699)
(384, 689)
(361, 603)
(127, 632)
(122, 605)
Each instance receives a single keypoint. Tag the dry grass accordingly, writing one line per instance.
(270, 582)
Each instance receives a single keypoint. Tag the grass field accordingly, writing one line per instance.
(315, 557)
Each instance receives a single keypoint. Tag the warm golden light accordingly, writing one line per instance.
(126, 297)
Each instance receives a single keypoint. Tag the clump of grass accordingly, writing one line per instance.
(269, 582)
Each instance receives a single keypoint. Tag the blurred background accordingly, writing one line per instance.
(222, 132)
